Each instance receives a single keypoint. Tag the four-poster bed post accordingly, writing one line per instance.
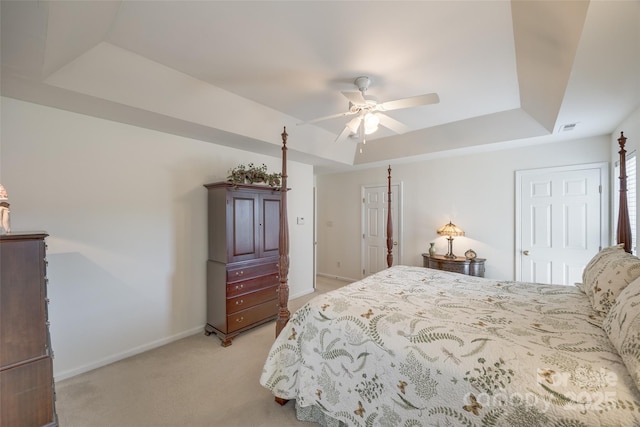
(624, 226)
(389, 222)
(283, 248)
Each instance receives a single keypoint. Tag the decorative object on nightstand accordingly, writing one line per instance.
(450, 230)
(432, 248)
(470, 254)
(5, 223)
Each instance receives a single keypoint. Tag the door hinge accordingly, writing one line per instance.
(600, 189)
(363, 273)
(363, 200)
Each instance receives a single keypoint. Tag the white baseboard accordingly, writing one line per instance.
(333, 276)
(301, 294)
(125, 354)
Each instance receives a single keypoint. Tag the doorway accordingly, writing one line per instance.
(374, 227)
(561, 221)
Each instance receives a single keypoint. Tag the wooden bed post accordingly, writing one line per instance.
(283, 247)
(624, 226)
(389, 222)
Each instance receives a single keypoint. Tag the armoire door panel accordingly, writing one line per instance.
(270, 226)
(244, 219)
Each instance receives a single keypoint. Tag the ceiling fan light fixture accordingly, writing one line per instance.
(371, 122)
(354, 124)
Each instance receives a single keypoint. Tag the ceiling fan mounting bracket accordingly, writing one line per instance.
(362, 83)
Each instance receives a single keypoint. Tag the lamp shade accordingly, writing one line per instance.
(450, 230)
(371, 122)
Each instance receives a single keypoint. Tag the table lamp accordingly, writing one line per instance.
(450, 230)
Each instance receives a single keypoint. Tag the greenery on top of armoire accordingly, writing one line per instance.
(251, 174)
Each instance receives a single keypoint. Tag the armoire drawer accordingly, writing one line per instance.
(238, 288)
(245, 301)
(252, 315)
(240, 273)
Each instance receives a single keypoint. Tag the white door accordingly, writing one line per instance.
(374, 227)
(560, 222)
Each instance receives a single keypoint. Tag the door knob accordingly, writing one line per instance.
(525, 253)
(395, 243)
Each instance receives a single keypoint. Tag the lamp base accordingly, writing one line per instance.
(450, 254)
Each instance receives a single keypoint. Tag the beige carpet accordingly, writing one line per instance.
(190, 382)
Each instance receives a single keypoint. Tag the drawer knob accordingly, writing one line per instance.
(239, 287)
(240, 319)
(239, 273)
(240, 302)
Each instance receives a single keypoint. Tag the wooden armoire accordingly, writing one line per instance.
(242, 269)
(26, 370)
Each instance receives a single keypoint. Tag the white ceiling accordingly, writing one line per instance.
(235, 73)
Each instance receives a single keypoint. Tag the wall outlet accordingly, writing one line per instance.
(338, 264)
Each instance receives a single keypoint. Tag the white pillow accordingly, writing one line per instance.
(607, 274)
(622, 325)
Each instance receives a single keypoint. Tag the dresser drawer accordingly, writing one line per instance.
(240, 273)
(252, 315)
(248, 300)
(26, 394)
(239, 288)
(454, 268)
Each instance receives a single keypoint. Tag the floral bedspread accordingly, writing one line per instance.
(412, 346)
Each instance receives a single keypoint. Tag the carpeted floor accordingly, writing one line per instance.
(190, 382)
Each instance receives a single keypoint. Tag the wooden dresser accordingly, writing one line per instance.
(27, 396)
(242, 269)
(470, 267)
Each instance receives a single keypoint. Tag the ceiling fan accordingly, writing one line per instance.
(369, 113)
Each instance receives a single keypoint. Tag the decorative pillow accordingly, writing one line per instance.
(607, 274)
(596, 258)
(622, 325)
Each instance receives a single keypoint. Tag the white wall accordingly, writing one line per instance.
(125, 209)
(475, 191)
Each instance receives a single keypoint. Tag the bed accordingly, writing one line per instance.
(412, 346)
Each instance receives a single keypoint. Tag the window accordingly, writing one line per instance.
(631, 195)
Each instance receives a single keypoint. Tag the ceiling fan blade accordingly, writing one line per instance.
(392, 124)
(333, 116)
(414, 101)
(355, 97)
(344, 134)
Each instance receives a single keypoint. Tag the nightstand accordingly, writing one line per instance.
(470, 267)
